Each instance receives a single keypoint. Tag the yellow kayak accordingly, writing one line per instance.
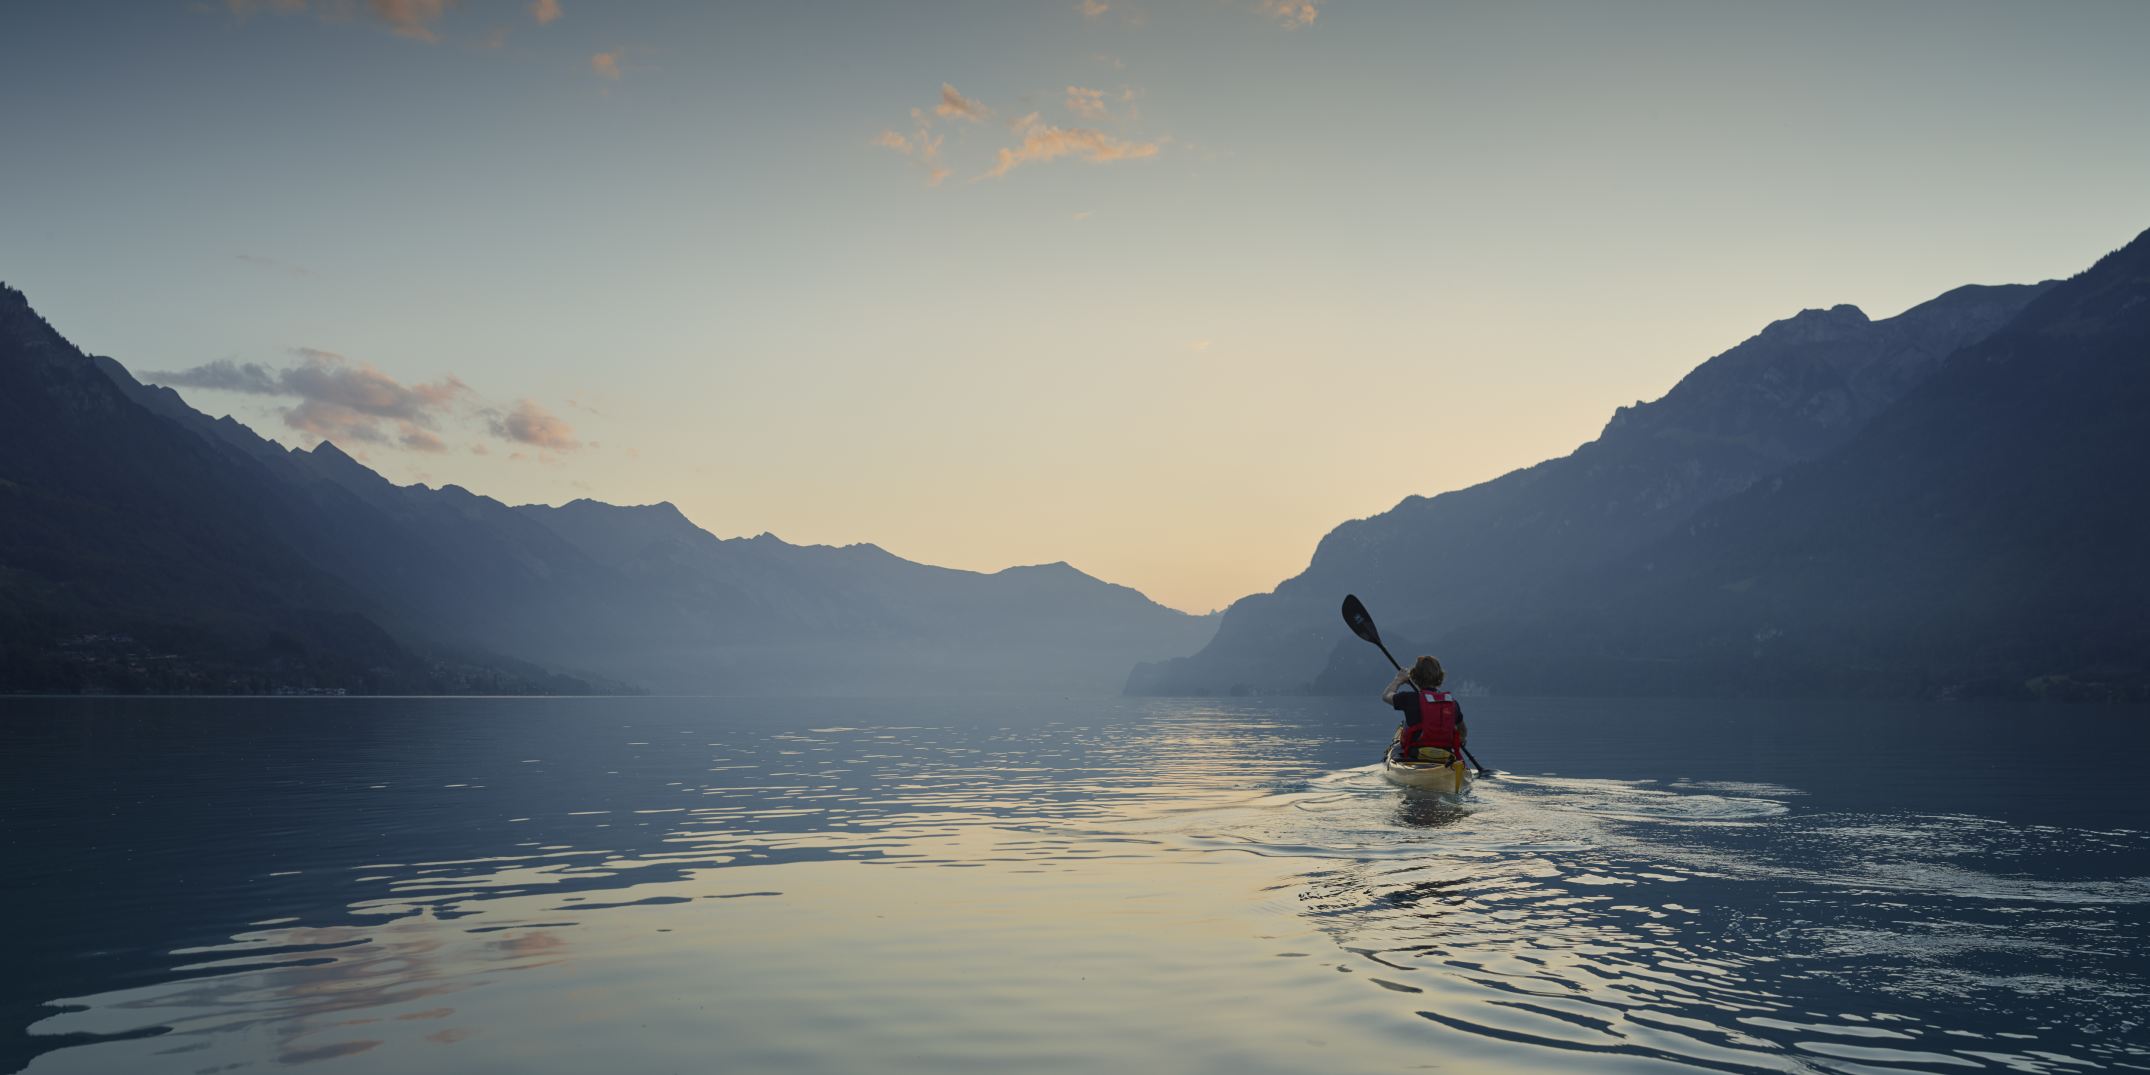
(1447, 778)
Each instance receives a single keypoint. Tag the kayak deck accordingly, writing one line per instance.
(1447, 778)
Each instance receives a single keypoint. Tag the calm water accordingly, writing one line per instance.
(658, 885)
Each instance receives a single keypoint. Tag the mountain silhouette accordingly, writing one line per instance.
(1797, 391)
(137, 555)
(857, 619)
(1986, 535)
(1938, 503)
(147, 546)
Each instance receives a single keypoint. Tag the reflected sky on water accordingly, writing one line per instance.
(628, 885)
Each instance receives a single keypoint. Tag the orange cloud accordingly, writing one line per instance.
(1043, 142)
(1093, 8)
(531, 424)
(408, 18)
(957, 106)
(924, 147)
(1293, 12)
(606, 64)
(1039, 141)
(1087, 103)
(545, 11)
(329, 380)
(420, 440)
(334, 422)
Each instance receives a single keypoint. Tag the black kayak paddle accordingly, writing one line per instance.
(1361, 623)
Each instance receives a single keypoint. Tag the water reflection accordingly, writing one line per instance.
(1425, 810)
(1710, 925)
(648, 885)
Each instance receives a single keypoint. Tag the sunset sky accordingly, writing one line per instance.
(1163, 290)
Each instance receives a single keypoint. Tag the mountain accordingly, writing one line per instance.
(147, 546)
(444, 569)
(1986, 535)
(137, 555)
(858, 619)
(1798, 390)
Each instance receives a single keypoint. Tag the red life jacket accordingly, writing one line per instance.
(1439, 724)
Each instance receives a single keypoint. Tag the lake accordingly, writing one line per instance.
(1046, 884)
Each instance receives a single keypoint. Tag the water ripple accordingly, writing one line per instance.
(946, 894)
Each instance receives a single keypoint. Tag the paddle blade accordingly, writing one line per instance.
(1361, 623)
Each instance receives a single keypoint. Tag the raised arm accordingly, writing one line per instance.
(1403, 678)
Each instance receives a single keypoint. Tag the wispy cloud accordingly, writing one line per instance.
(1037, 140)
(408, 18)
(922, 146)
(354, 402)
(531, 424)
(1042, 141)
(1092, 9)
(956, 106)
(606, 64)
(1087, 103)
(420, 440)
(222, 375)
(330, 378)
(333, 390)
(545, 11)
(1293, 12)
(411, 18)
(330, 422)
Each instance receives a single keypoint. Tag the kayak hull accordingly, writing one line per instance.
(1450, 778)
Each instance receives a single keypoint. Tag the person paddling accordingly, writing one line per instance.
(1432, 728)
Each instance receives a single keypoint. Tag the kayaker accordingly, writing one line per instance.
(1432, 728)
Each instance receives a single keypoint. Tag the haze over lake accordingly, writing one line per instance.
(646, 885)
(575, 538)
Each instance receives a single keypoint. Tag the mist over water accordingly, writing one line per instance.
(629, 885)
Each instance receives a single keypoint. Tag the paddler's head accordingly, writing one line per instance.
(1427, 673)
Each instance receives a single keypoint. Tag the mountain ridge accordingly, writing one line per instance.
(1970, 541)
(1792, 391)
(136, 554)
(449, 587)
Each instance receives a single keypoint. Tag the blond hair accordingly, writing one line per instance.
(1427, 673)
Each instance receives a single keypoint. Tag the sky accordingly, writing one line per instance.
(1164, 290)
